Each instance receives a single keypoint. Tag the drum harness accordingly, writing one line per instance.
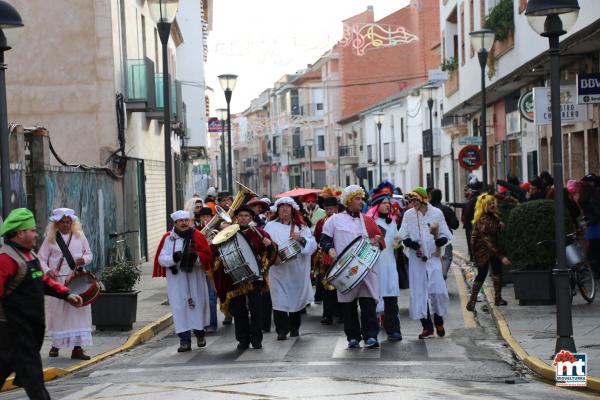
(64, 248)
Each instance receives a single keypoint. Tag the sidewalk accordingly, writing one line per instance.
(153, 293)
(534, 327)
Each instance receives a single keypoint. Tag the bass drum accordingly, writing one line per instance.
(351, 267)
(238, 260)
(85, 285)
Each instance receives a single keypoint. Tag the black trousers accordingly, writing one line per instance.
(319, 289)
(367, 327)
(391, 319)
(23, 360)
(331, 306)
(594, 256)
(267, 311)
(246, 311)
(482, 270)
(468, 232)
(286, 322)
(426, 322)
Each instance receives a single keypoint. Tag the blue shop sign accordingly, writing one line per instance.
(588, 88)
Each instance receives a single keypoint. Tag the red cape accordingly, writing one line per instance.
(202, 248)
(373, 230)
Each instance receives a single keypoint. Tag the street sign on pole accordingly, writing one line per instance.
(469, 141)
(470, 158)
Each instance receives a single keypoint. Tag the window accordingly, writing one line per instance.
(461, 26)
(320, 143)
(275, 145)
(370, 156)
(294, 102)
(402, 130)
(392, 133)
(319, 106)
(471, 23)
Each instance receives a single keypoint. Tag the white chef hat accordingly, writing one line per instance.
(287, 200)
(181, 214)
(59, 213)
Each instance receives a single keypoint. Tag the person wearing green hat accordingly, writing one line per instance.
(23, 285)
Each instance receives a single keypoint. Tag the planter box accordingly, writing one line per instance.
(115, 311)
(534, 287)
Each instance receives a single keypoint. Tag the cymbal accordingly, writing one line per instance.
(226, 234)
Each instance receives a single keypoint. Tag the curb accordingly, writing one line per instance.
(536, 364)
(136, 338)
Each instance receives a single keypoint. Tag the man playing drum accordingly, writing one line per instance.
(66, 250)
(244, 301)
(182, 257)
(290, 285)
(427, 285)
(339, 231)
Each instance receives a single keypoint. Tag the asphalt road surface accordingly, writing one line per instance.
(470, 362)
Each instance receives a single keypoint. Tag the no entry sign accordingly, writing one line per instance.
(470, 157)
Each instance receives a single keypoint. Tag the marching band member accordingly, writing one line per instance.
(323, 261)
(259, 207)
(339, 231)
(313, 211)
(182, 256)
(427, 283)
(225, 199)
(389, 286)
(64, 251)
(244, 302)
(290, 285)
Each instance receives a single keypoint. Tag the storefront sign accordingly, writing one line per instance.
(469, 141)
(588, 88)
(470, 158)
(526, 105)
(570, 111)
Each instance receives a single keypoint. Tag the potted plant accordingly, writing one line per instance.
(116, 307)
(530, 223)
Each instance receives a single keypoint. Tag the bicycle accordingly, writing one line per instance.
(580, 270)
(119, 253)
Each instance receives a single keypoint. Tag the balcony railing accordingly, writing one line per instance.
(140, 84)
(348, 151)
(298, 152)
(175, 93)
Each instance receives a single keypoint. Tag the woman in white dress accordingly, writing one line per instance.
(289, 282)
(69, 327)
(389, 286)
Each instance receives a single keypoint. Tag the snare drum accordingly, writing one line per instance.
(353, 264)
(289, 249)
(239, 260)
(85, 285)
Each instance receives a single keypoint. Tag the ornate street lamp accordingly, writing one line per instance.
(222, 115)
(379, 117)
(163, 13)
(482, 42)
(228, 82)
(309, 142)
(551, 19)
(430, 107)
(338, 136)
(10, 29)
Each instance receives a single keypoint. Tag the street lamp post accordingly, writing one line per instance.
(10, 24)
(431, 170)
(309, 143)
(222, 115)
(163, 13)
(482, 42)
(227, 82)
(379, 116)
(551, 19)
(338, 136)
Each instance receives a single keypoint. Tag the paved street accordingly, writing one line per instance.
(470, 362)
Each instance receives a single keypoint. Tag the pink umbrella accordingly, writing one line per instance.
(298, 192)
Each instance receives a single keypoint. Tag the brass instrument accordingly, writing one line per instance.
(210, 230)
(242, 197)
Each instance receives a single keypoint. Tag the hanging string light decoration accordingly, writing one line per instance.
(374, 36)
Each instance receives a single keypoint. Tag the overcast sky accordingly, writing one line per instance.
(261, 40)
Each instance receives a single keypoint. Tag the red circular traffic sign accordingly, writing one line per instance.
(470, 157)
(274, 168)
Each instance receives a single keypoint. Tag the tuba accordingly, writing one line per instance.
(243, 195)
(210, 230)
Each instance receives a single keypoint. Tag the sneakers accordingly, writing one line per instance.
(371, 343)
(353, 344)
(53, 352)
(79, 354)
(441, 332)
(425, 333)
(395, 336)
(183, 347)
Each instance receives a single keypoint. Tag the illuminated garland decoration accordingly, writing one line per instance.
(418, 4)
(365, 36)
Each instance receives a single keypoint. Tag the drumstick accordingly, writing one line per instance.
(252, 226)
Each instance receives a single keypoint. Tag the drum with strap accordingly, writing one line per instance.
(236, 255)
(85, 285)
(353, 264)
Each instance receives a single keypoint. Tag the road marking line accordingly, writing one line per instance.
(273, 350)
(342, 351)
(171, 356)
(468, 318)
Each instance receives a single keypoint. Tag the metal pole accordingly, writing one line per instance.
(310, 170)
(164, 30)
(338, 163)
(564, 320)
(223, 158)
(483, 55)
(229, 151)
(4, 142)
(431, 170)
(271, 177)
(380, 159)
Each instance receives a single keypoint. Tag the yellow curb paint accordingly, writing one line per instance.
(136, 338)
(468, 317)
(536, 364)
